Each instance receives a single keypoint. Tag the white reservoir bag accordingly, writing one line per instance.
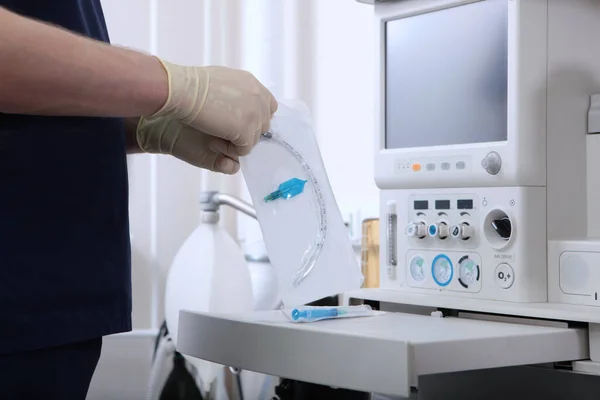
(305, 236)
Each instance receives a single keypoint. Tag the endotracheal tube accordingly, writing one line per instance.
(312, 253)
(287, 190)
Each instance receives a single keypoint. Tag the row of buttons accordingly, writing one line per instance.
(445, 166)
(469, 271)
(441, 230)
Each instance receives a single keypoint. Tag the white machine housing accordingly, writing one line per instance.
(463, 190)
(574, 271)
(574, 265)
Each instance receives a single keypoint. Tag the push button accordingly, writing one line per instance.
(504, 276)
(492, 163)
(445, 166)
(460, 165)
(416, 167)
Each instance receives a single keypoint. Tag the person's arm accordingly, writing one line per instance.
(45, 70)
(206, 116)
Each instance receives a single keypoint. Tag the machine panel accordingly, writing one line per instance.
(461, 96)
(574, 272)
(487, 243)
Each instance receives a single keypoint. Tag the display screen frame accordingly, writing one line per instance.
(499, 118)
(528, 72)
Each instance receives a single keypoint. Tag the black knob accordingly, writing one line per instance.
(502, 227)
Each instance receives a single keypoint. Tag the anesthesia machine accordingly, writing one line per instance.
(487, 157)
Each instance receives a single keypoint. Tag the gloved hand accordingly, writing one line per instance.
(167, 135)
(226, 103)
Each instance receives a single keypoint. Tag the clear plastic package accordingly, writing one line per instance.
(305, 236)
(312, 314)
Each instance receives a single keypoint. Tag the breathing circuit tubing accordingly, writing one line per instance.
(312, 254)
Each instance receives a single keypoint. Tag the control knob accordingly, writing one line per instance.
(416, 229)
(492, 163)
(439, 230)
(463, 231)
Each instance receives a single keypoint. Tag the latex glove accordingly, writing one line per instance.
(165, 135)
(223, 102)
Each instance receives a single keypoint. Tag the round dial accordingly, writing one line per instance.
(439, 230)
(492, 163)
(416, 229)
(463, 231)
(468, 272)
(417, 268)
(442, 270)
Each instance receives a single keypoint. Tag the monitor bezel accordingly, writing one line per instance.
(525, 98)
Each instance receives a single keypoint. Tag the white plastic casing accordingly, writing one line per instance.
(551, 75)
(574, 272)
(550, 81)
(593, 178)
(522, 163)
(512, 270)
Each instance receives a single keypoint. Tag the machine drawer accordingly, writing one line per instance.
(382, 354)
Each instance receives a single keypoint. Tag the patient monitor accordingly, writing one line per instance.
(481, 142)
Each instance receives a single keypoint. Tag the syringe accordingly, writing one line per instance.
(311, 314)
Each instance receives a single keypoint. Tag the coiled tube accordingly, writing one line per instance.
(312, 253)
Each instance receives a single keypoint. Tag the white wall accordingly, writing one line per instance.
(343, 108)
(321, 51)
(129, 25)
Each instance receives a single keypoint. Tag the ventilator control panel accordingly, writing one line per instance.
(465, 242)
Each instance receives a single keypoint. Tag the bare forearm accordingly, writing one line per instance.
(45, 70)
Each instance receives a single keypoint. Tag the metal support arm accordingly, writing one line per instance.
(211, 201)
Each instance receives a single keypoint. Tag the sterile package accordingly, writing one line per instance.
(305, 236)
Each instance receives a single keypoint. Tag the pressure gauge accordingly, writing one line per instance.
(442, 270)
(468, 272)
(417, 268)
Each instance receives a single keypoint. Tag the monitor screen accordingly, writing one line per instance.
(446, 76)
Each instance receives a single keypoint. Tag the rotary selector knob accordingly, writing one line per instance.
(416, 229)
(492, 163)
(440, 230)
(462, 231)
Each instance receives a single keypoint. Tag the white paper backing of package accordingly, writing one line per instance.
(305, 236)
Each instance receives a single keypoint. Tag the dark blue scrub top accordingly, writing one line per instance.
(65, 269)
